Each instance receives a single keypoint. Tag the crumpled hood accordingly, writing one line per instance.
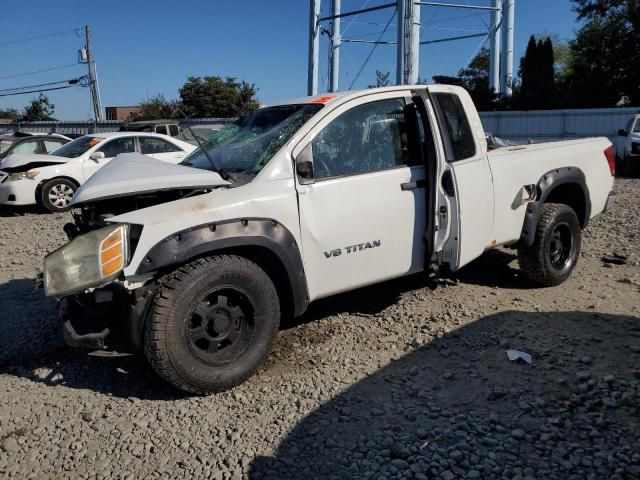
(17, 160)
(133, 173)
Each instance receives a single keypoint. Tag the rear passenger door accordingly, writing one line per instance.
(161, 149)
(362, 208)
(467, 179)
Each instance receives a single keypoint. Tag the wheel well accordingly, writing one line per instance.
(572, 195)
(41, 184)
(271, 264)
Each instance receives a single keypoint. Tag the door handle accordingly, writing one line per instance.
(412, 185)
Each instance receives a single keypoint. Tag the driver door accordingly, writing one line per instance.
(362, 206)
(110, 148)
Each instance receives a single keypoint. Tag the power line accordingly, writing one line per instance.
(16, 75)
(373, 49)
(74, 80)
(48, 35)
(36, 91)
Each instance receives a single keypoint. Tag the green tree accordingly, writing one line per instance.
(213, 96)
(605, 56)
(10, 114)
(475, 79)
(39, 109)
(156, 108)
(382, 79)
(538, 76)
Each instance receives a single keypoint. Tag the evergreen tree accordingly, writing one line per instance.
(537, 74)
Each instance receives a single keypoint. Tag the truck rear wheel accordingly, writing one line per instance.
(556, 247)
(212, 324)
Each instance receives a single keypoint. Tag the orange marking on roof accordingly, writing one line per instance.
(323, 99)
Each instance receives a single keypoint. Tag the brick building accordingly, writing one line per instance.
(120, 113)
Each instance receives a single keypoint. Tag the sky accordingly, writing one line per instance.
(143, 48)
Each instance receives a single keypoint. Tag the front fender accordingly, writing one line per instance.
(185, 245)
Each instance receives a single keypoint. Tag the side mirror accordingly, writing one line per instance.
(97, 156)
(622, 132)
(304, 166)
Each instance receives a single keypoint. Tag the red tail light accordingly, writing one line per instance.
(610, 153)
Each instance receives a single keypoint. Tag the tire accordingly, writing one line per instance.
(56, 194)
(556, 247)
(212, 324)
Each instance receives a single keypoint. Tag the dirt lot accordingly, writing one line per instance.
(403, 380)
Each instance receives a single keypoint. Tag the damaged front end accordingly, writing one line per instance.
(99, 309)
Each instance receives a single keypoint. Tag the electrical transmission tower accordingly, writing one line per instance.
(500, 35)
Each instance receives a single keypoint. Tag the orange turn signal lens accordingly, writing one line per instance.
(112, 253)
(108, 255)
(113, 239)
(111, 267)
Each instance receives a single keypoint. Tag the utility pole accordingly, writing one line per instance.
(414, 52)
(494, 55)
(508, 21)
(335, 47)
(402, 37)
(314, 47)
(97, 109)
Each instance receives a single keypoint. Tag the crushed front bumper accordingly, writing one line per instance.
(105, 319)
(72, 316)
(18, 192)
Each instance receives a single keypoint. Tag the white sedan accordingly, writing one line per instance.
(51, 180)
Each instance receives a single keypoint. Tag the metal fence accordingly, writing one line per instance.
(541, 125)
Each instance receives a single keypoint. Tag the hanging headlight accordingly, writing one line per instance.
(89, 260)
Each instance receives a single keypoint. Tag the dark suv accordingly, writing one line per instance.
(19, 142)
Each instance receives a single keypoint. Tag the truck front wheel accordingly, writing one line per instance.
(213, 324)
(556, 247)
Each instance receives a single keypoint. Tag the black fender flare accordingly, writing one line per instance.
(185, 245)
(545, 186)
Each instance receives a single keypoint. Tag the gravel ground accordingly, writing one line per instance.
(402, 380)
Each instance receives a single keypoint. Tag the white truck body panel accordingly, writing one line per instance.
(344, 216)
(515, 167)
(253, 200)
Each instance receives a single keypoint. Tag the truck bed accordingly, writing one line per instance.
(514, 167)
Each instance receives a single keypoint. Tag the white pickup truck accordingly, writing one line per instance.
(195, 264)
